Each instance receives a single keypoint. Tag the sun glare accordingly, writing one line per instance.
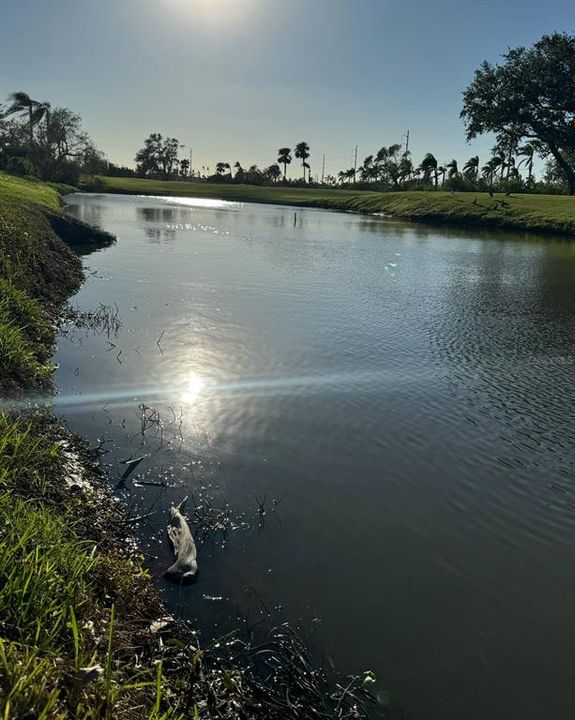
(192, 389)
(214, 12)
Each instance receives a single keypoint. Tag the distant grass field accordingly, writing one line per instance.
(534, 213)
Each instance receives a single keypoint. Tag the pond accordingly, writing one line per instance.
(397, 399)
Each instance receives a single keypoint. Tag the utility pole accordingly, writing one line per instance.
(191, 154)
(323, 168)
(406, 142)
(354, 163)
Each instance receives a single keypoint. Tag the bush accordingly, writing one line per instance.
(460, 184)
(66, 172)
(20, 166)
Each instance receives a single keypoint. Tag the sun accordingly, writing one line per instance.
(213, 12)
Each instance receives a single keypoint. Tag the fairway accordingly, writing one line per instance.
(553, 214)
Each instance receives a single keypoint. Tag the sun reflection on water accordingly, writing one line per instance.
(193, 389)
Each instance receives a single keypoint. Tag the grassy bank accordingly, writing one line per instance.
(72, 601)
(37, 273)
(554, 214)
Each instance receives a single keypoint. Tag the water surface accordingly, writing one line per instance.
(404, 394)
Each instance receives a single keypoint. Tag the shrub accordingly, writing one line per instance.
(20, 166)
(66, 172)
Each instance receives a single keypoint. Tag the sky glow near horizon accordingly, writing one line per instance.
(237, 79)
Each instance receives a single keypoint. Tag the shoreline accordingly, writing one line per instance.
(84, 631)
(552, 215)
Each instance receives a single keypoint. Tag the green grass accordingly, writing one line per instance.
(533, 213)
(29, 190)
(71, 597)
(37, 272)
(68, 599)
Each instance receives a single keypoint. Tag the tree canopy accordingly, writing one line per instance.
(159, 156)
(529, 97)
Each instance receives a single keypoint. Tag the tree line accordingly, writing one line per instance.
(527, 102)
(37, 138)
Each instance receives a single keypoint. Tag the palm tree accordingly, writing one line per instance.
(498, 161)
(23, 103)
(405, 167)
(527, 152)
(429, 166)
(471, 168)
(453, 170)
(44, 110)
(341, 176)
(273, 172)
(490, 168)
(388, 165)
(442, 170)
(302, 153)
(284, 158)
(366, 169)
(240, 172)
(221, 168)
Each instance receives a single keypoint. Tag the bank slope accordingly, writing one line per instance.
(38, 272)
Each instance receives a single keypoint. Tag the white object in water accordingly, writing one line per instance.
(185, 567)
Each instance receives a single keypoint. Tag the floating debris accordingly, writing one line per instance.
(186, 567)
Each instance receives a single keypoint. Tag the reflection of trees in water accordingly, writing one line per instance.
(159, 223)
(504, 325)
(91, 213)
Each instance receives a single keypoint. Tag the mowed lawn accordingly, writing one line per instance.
(536, 213)
(27, 190)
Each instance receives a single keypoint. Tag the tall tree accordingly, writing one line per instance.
(240, 173)
(302, 153)
(405, 167)
(527, 152)
(23, 103)
(388, 164)
(429, 167)
(498, 162)
(489, 169)
(159, 155)
(284, 158)
(529, 96)
(273, 173)
(366, 169)
(452, 169)
(471, 168)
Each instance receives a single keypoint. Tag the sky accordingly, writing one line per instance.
(238, 79)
